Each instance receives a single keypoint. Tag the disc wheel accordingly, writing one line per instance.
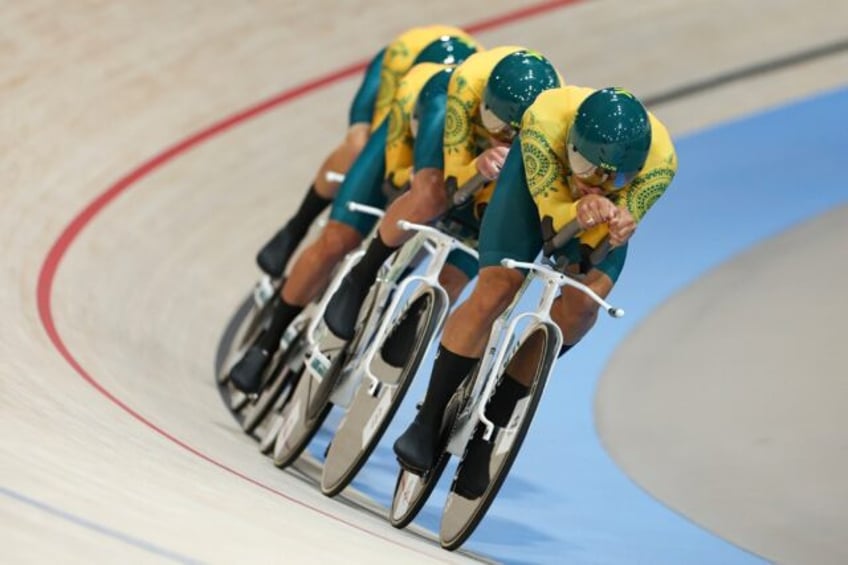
(461, 516)
(371, 411)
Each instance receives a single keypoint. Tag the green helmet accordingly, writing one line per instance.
(514, 84)
(446, 50)
(611, 136)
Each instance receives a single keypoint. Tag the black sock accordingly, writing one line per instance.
(313, 204)
(365, 272)
(507, 394)
(449, 370)
(283, 315)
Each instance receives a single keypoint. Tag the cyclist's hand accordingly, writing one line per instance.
(490, 162)
(594, 209)
(621, 227)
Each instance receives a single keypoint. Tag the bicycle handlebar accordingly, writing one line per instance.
(570, 230)
(370, 210)
(565, 280)
(409, 226)
(465, 192)
(333, 176)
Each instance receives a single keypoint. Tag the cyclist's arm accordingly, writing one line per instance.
(460, 148)
(398, 146)
(656, 175)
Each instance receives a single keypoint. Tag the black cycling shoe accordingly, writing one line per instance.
(398, 346)
(246, 375)
(416, 448)
(343, 308)
(473, 479)
(274, 256)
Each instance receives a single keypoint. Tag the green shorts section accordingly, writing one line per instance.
(363, 183)
(362, 107)
(464, 262)
(510, 227)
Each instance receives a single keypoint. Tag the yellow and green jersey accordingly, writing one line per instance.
(399, 57)
(465, 136)
(544, 131)
(400, 141)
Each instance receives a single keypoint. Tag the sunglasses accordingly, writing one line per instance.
(595, 175)
(496, 127)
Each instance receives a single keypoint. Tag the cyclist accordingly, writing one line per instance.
(596, 156)
(389, 148)
(487, 96)
(435, 43)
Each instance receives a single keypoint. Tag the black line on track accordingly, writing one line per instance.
(750, 71)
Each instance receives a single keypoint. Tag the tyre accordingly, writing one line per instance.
(298, 426)
(371, 411)
(461, 516)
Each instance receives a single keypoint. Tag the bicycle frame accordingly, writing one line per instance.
(497, 351)
(439, 245)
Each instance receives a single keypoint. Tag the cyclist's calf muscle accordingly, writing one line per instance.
(311, 271)
(574, 312)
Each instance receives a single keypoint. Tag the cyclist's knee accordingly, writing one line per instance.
(428, 193)
(495, 290)
(336, 241)
(357, 136)
(575, 313)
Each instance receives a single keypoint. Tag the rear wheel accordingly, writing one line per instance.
(299, 425)
(253, 317)
(279, 389)
(461, 516)
(373, 408)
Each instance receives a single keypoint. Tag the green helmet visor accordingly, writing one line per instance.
(595, 175)
(497, 128)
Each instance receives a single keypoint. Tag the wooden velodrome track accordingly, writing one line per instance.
(132, 208)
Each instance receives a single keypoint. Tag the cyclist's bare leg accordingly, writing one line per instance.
(425, 201)
(453, 280)
(341, 158)
(522, 367)
(311, 272)
(574, 312)
(467, 329)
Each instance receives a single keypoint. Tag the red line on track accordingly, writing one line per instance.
(61, 246)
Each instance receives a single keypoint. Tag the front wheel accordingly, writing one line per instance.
(461, 516)
(372, 410)
(411, 490)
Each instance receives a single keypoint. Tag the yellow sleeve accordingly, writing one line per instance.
(542, 147)
(399, 142)
(460, 138)
(398, 59)
(656, 175)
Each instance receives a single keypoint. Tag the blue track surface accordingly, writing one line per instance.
(565, 500)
